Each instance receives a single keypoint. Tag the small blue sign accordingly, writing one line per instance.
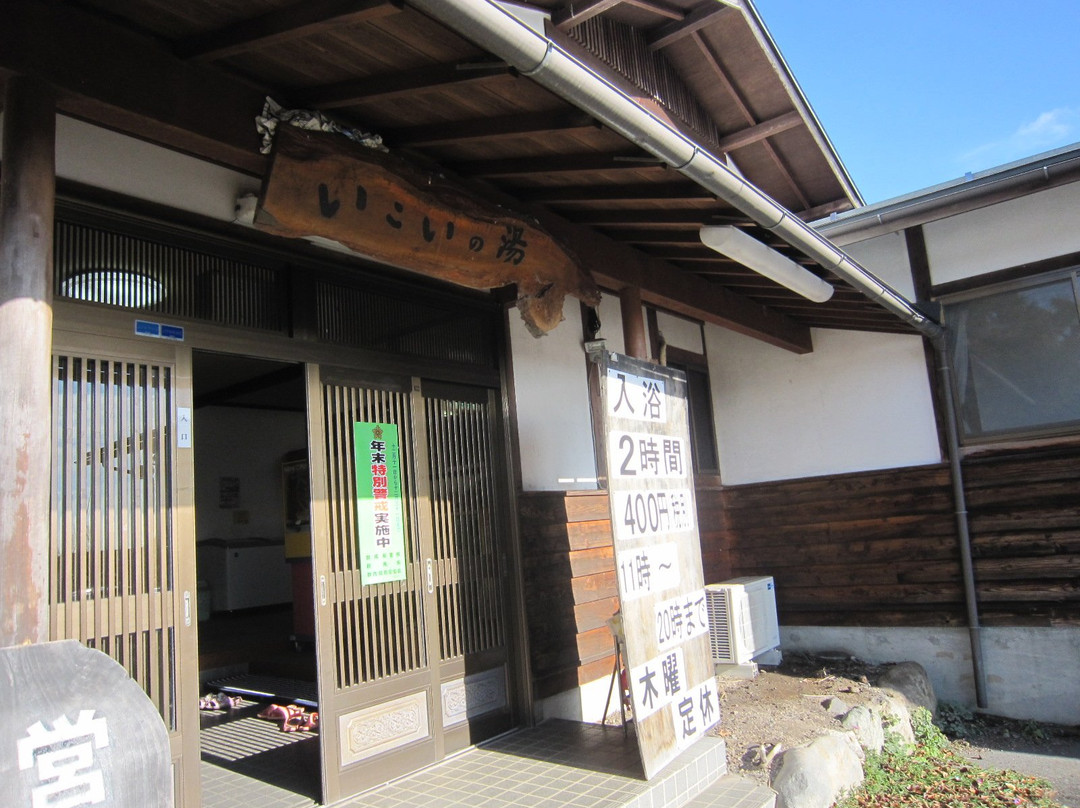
(145, 328)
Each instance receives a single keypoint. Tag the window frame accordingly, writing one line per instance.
(950, 301)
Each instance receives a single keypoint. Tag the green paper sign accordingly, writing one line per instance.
(379, 521)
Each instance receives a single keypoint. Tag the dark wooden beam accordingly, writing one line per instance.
(27, 200)
(713, 60)
(655, 236)
(299, 20)
(705, 14)
(824, 209)
(659, 9)
(615, 266)
(403, 83)
(658, 218)
(638, 192)
(758, 132)
(556, 164)
(633, 322)
(129, 82)
(500, 128)
(576, 13)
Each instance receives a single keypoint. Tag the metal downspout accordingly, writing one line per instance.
(967, 567)
(533, 54)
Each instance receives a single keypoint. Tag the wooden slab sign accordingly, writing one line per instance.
(79, 732)
(384, 208)
(658, 557)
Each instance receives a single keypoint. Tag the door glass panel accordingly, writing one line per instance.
(469, 582)
(111, 559)
(379, 629)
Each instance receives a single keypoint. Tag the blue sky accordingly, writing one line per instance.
(913, 93)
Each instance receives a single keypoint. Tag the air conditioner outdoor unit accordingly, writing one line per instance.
(742, 619)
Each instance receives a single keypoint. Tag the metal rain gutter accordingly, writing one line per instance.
(533, 54)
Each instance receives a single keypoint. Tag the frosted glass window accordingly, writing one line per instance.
(1016, 359)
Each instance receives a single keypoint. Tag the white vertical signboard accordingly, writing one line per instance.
(658, 557)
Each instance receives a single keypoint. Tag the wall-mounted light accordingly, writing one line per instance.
(748, 251)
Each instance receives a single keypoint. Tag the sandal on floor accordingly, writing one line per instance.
(229, 702)
(210, 702)
(303, 722)
(275, 712)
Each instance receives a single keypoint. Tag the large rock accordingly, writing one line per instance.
(866, 726)
(909, 679)
(896, 719)
(816, 775)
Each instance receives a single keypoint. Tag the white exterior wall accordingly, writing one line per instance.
(859, 401)
(551, 389)
(679, 332)
(886, 257)
(115, 162)
(1008, 234)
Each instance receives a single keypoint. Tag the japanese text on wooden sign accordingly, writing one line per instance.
(658, 558)
(379, 522)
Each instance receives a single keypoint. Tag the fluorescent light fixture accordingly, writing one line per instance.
(748, 251)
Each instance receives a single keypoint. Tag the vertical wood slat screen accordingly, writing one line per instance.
(469, 582)
(111, 554)
(378, 630)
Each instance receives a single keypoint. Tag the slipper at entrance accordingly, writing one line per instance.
(275, 712)
(303, 722)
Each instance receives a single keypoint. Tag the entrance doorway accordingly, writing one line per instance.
(402, 672)
(255, 603)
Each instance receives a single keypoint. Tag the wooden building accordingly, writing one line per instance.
(231, 232)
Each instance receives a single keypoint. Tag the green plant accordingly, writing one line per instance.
(955, 720)
(935, 775)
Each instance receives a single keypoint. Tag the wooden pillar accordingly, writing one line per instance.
(633, 323)
(27, 196)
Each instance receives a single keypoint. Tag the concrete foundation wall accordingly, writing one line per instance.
(1031, 673)
(585, 703)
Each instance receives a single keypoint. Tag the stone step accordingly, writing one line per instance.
(732, 791)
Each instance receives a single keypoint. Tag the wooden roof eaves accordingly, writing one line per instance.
(193, 108)
(798, 99)
(615, 266)
(711, 58)
(283, 25)
(204, 111)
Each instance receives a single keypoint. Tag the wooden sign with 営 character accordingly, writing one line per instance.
(382, 207)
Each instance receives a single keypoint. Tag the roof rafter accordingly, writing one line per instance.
(558, 164)
(405, 82)
(759, 132)
(499, 128)
(638, 192)
(745, 111)
(658, 218)
(705, 14)
(192, 107)
(299, 20)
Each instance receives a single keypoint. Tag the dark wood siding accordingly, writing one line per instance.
(570, 587)
(880, 549)
(876, 548)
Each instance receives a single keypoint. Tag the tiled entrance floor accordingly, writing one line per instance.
(248, 762)
(564, 763)
(557, 764)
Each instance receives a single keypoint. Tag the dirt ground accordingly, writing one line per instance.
(783, 706)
